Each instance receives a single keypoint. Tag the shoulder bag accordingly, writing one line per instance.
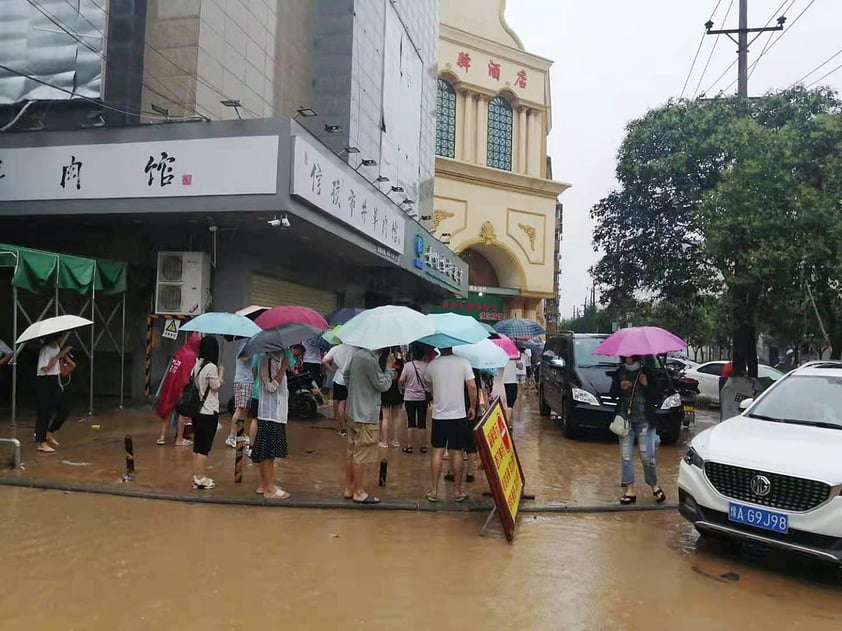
(620, 425)
(191, 402)
(427, 394)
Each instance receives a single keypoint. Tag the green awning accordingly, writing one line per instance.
(42, 272)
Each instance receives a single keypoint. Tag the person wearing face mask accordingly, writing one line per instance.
(635, 388)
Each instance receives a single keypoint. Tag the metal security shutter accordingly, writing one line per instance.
(270, 292)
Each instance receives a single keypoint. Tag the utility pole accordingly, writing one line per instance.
(743, 43)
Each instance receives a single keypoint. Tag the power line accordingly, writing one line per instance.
(712, 50)
(698, 50)
(772, 34)
(78, 96)
(719, 78)
(787, 30)
(817, 68)
(78, 10)
(824, 76)
(55, 21)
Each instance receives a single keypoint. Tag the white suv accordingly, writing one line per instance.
(773, 474)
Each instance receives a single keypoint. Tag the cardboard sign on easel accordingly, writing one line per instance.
(502, 466)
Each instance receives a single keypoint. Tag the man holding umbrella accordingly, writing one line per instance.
(366, 381)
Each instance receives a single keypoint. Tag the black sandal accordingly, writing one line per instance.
(423, 450)
(659, 495)
(628, 499)
(407, 450)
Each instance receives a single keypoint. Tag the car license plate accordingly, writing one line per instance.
(758, 517)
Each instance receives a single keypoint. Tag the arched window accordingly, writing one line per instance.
(446, 120)
(499, 134)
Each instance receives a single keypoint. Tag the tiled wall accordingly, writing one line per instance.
(201, 52)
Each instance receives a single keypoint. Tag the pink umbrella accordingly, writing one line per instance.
(507, 345)
(640, 340)
(289, 314)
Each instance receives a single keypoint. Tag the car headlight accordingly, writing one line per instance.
(583, 396)
(693, 458)
(672, 401)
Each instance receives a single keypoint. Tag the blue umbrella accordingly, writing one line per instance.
(519, 328)
(320, 342)
(218, 323)
(454, 330)
(341, 316)
(485, 355)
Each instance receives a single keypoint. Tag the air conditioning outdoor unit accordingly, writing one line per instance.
(183, 283)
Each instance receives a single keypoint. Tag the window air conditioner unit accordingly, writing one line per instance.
(182, 286)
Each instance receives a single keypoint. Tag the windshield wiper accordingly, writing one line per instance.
(823, 424)
(766, 418)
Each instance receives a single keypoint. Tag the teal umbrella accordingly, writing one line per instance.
(484, 355)
(387, 326)
(454, 330)
(219, 323)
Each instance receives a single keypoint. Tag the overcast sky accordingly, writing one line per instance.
(615, 59)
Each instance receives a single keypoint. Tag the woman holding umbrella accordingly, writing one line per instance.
(272, 416)
(52, 411)
(634, 387)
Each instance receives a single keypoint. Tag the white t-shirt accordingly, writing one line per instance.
(510, 372)
(312, 354)
(208, 376)
(45, 356)
(446, 376)
(341, 356)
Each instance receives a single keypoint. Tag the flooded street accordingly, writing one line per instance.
(75, 561)
(82, 561)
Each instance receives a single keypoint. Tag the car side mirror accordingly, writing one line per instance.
(558, 362)
(745, 403)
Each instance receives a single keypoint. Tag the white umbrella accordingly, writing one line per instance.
(51, 326)
(387, 326)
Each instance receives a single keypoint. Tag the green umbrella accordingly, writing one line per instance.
(330, 335)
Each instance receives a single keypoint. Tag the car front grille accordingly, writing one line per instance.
(785, 492)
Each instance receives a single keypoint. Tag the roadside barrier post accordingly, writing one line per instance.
(129, 444)
(384, 471)
(238, 459)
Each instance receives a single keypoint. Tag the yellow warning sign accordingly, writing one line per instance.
(170, 329)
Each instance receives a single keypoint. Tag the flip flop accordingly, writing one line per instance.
(431, 498)
(369, 499)
(461, 498)
(184, 443)
(277, 495)
(258, 491)
(347, 497)
(160, 442)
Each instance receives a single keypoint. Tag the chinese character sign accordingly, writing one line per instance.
(72, 172)
(464, 61)
(160, 170)
(342, 193)
(493, 70)
(521, 78)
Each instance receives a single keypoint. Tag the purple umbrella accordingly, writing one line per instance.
(640, 340)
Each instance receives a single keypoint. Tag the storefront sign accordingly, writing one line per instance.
(345, 195)
(240, 165)
(388, 254)
(435, 260)
(484, 308)
(501, 465)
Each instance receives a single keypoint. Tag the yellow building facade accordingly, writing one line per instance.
(495, 201)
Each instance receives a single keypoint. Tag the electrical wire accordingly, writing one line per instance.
(817, 68)
(712, 50)
(771, 45)
(100, 104)
(78, 10)
(698, 50)
(777, 12)
(719, 78)
(824, 76)
(58, 24)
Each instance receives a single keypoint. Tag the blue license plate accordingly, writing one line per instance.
(758, 517)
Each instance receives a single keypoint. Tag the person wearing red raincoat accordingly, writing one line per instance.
(178, 376)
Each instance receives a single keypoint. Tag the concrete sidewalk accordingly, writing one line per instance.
(564, 475)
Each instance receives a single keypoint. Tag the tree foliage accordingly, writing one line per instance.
(733, 203)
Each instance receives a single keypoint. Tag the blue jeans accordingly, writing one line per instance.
(645, 436)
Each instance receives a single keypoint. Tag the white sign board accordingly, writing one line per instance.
(345, 195)
(240, 165)
(171, 329)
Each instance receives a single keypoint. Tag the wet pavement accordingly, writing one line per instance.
(561, 473)
(78, 561)
(85, 561)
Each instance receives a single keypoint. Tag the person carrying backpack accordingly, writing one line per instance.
(207, 378)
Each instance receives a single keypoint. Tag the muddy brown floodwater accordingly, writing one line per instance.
(78, 561)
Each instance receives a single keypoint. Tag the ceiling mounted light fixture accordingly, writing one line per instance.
(235, 103)
(333, 129)
(397, 189)
(305, 112)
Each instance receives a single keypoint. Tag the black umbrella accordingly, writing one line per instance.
(279, 338)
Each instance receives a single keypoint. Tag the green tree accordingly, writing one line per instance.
(720, 202)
